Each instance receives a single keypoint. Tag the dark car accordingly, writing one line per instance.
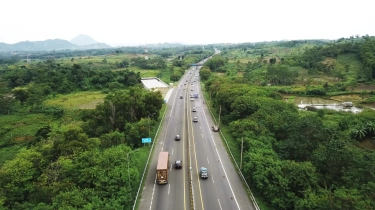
(178, 164)
(177, 138)
(203, 173)
(181, 97)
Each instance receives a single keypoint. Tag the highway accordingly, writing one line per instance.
(223, 189)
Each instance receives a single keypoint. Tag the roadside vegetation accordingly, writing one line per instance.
(299, 159)
(71, 124)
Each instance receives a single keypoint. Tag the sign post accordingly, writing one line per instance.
(146, 140)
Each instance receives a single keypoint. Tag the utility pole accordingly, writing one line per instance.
(219, 116)
(241, 153)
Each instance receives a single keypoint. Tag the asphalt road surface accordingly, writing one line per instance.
(223, 189)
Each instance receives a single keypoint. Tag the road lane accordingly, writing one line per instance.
(225, 191)
(174, 195)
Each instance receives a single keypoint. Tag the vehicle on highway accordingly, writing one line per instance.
(162, 168)
(181, 97)
(191, 89)
(195, 95)
(177, 138)
(194, 110)
(178, 164)
(195, 119)
(215, 128)
(191, 95)
(203, 173)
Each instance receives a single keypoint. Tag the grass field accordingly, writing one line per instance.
(9, 153)
(81, 100)
(16, 130)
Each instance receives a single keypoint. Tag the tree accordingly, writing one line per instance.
(272, 61)
(70, 141)
(21, 94)
(134, 132)
(112, 139)
(17, 176)
(205, 73)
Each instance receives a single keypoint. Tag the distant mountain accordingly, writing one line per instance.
(49, 45)
(83, 39)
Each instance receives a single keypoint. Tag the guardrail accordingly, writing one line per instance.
(234, 160)
(191, 185)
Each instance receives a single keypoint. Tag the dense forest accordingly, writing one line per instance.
(297, 159)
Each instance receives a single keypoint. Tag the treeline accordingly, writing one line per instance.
(33, 84)
(183, 61)
(275, 70)
(298, 159)
(152, 63)
(10, 58)
(84, 164)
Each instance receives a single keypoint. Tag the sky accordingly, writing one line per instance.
(139, 22)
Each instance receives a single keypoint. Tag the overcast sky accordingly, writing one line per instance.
(134, 22)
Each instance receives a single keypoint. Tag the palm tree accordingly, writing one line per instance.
(358, 133)
(370, 128)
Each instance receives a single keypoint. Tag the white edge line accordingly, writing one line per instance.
(221, 163)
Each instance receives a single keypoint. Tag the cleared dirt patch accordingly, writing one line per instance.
(352, 98)
(367, 144)
(90, 105)
(21, 139)
(365, 87)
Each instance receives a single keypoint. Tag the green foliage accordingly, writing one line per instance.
(297, 159)
(120, 108)
(49, 79)
(20, 94)
(367, 54)
(136, 131)
(281, 75)
(153, 63)
(112, 139)
(215, 63)
(205, 73)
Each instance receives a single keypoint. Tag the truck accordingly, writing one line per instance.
(162, 168)
(203, 173)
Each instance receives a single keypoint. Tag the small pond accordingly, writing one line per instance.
(321, 103)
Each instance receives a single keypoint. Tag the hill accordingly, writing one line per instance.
(83, 39)
(49, 45)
